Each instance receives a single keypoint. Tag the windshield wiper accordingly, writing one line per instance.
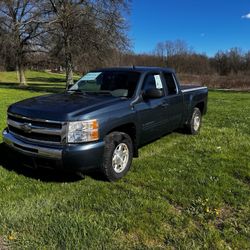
(99, 92)
(77, 91)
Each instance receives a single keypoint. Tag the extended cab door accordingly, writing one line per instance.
(174, 102)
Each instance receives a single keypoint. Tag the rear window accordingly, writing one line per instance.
(171, 86)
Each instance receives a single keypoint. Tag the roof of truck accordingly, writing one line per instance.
(137, 69)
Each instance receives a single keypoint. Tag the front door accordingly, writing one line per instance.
(151, 112)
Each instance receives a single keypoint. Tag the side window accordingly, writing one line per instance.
(172, 88)
(152, 81)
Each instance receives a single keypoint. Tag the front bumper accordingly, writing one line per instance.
(70, 157)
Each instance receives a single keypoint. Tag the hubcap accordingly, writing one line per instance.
(197, 121)
(120, 157)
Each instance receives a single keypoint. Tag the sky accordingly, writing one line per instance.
(206, 25)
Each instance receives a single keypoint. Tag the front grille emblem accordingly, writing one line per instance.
(26, 127)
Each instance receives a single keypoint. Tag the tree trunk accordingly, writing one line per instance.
(69, 71)
(68, 64)
(20, 72)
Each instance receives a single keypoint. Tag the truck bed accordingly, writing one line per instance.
(191, 87)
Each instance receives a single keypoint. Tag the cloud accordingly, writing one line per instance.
(247, 16)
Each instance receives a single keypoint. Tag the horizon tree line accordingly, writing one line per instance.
(78, 35)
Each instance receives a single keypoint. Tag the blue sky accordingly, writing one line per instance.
(206, 25)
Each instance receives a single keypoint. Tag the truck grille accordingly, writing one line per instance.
(37, 130)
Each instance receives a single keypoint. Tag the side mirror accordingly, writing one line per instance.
(153, 93)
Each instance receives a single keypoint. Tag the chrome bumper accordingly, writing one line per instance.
(30, 149)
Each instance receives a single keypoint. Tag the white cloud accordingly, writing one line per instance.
(247, 16)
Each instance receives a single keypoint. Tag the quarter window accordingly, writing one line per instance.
(171, 85)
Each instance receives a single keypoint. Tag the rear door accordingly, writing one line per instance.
(174, 102)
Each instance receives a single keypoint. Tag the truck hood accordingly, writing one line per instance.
(61, 107)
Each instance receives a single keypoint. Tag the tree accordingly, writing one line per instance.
(22, 20)
(85, 30)
(3, 51)
(172, 48)
(235, 57)
(247, 62)
(231, 61)
(160, 51)
(222, 63)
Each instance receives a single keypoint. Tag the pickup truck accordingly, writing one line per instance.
(102, 120)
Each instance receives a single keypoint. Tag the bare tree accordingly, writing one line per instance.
(85, 30)
(172, 48)
(247, 62)
(22, 22)
(235, 56)
(160, 51)
(66, 15)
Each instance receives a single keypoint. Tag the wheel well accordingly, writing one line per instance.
(200, 106)
(130, 129)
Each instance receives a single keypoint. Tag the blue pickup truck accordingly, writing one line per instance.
(103, 119)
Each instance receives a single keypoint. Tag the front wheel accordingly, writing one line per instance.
(118, 154)
(194, 124)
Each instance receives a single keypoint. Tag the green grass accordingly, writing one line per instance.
(184, 192)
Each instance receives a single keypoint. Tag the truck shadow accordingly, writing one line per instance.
(12, 163)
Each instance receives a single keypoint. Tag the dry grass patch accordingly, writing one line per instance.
(233, 82)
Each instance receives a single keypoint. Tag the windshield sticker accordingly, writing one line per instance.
(158, 82)
(91, 76)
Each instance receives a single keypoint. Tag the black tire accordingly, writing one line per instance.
(117, 143)
(194, 125)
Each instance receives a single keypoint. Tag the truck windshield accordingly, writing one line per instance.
(115, 83)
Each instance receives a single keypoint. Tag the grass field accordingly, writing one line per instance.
(184, 192)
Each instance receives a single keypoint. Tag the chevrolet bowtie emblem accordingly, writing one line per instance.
(26, 127)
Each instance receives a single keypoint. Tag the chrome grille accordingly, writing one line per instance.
(37, 130)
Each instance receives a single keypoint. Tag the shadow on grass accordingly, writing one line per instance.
(47, 85)
(8, 84)
(38, 87)
(46, 79)
(13, 163)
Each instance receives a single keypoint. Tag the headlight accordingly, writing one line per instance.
(83, 131)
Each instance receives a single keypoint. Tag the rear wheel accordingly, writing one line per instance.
(194, 125)
(118, 154)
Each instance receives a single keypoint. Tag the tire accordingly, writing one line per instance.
(194, 125)
(118, 155)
